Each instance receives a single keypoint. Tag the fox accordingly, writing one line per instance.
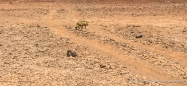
(81, 24)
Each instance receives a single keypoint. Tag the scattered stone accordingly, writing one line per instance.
(185, 29)
(31, 26)
(134, 26)
(1, 32)
(139, 36)
(102, 65)
(10, 2)
(185, 77)
(37, 25)
(74, 54)
(6, 63)
(36, 45)
(71, 53)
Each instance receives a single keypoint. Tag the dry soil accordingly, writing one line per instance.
(125, 44)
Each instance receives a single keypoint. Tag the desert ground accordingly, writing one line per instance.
(125, 44)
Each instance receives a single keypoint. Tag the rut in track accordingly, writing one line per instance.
(141, 67)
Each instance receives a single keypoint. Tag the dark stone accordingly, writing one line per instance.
(68, 53)
(139, 36)
(74, 54)
(36, 45)
(71, 53)
(102, 66)
(10, 53)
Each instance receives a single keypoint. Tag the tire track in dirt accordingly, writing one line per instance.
(156, 59)
(141, 67)
(96, 46)
(150, 71)
(172, 56)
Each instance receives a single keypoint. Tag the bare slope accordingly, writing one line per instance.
(35, 38)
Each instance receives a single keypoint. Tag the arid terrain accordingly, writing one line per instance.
(125, 44)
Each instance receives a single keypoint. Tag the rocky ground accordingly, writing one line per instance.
(131, 44)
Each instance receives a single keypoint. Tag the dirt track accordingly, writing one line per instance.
(124, 44)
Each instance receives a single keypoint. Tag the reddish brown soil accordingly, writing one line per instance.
(127, 44)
